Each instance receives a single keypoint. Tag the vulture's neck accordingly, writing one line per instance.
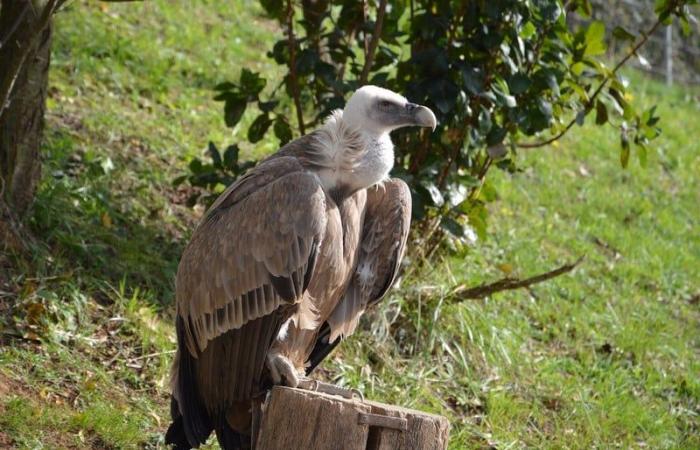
(350, 159)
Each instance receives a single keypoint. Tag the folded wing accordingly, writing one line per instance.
(384, 233)
(253, 252)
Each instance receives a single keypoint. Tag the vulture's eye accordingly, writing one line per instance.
(385, 104)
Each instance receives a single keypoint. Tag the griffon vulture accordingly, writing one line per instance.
(285, 262)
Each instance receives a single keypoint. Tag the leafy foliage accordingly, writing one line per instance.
(501, 76)
(223, 169)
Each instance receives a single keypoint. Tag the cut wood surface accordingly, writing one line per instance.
(301, 419)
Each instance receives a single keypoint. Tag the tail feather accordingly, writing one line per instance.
(176, 437)
(231, 440)
(190, 418)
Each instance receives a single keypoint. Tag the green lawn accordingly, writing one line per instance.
(606, 356)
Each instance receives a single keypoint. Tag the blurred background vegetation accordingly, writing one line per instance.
(605, 356)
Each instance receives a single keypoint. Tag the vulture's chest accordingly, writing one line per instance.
(339, 251)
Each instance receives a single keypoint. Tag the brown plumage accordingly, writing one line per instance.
(284, 263)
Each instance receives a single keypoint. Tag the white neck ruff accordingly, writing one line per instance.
(351, 159)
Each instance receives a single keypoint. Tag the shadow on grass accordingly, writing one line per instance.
(98, 225)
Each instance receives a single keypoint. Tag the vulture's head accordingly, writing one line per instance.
(356, 147)
(377, 111)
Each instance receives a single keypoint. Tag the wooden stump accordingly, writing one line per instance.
(301, 419)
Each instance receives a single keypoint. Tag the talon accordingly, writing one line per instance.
(282, 370)
(274, 373)
(308, 384)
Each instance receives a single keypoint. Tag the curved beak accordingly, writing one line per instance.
(421, 116)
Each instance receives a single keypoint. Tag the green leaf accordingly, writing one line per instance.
(259, 127)
(444, 94)
(595, 32)
(233, 110)
(484, 120)
(527, 31)
(473, 80)
(545, 108)
(231, 157)
(580, 91)
(267, 106)
(214, 154)
(648, 118)
(418, 202)
(577, 68)
(274, 8)
(625, 152)
(595, 39)
(686, 29)
(196, 166)
(642, 154)
(179, 180)
(468, 180)
(452, 226)
(550, 78)
(478, 215)
(585, 8)
(251, 83)
(495, 136)
(282, 131)
(222, 96)
(551, 11)
(519, 83)
(435, 194)
(503, 98)
(623, 105)
(660, 6)
(488, 192)
(601, 113)
(623, 35)
(306, 62)
(629, 112)
(225, 86)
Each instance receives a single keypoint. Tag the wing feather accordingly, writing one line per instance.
(384, 233)
(252, 251)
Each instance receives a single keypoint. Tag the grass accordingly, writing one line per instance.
(606, 356)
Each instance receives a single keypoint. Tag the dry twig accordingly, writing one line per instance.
(462, 292)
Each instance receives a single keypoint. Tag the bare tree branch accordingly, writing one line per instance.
(462, 292)
(365, 15)
(369, 57)
(293, 82)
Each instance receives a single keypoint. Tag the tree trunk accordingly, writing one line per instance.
(24, 70)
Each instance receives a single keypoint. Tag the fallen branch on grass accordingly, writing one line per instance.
(462, 292)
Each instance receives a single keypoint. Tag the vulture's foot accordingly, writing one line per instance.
(282, 370)
(284, 373)
(327, 388)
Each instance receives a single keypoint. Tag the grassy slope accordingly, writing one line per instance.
(607, 355)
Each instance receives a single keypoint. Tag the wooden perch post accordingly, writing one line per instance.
(296, 418)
